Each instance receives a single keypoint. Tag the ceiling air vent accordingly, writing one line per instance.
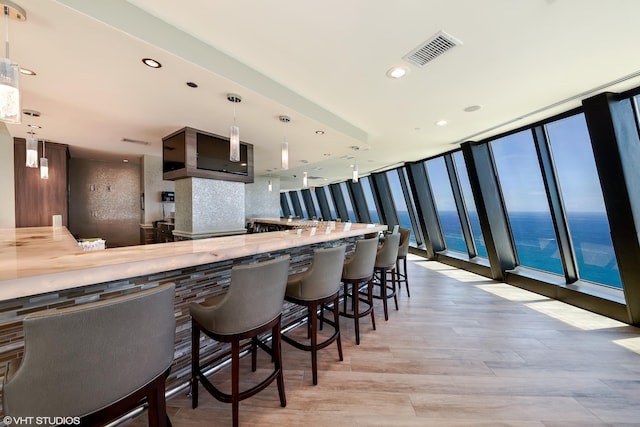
(431, 49)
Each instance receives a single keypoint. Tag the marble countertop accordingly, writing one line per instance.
(47, 259)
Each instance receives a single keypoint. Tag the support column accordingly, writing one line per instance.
(616, 148)
(491, 212)
(208, 208)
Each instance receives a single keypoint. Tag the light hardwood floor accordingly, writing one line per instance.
(462, 351)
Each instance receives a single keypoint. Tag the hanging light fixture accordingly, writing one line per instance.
(234, 133)
(9, 71)
(270, 186)
(32, 142)
(285, 144)
(305, 180)
(354, 171)
(44, 164)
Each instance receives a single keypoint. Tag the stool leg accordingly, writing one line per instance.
(356, 310)
(383, 292)
(336, 320)
(235, 380)
(195, 362)
(373, 319)
(254, 354)
(344, 301)
(406, 276)
(277, 359)
(313, 320)
(393, 286)
(397, 273)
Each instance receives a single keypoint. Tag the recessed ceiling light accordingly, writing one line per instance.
(34, 126)
(397, 72)
(151, 63)
(441, 122)
(192, 84)
(319, 132)
(27, 71)
(472, 108)
(125, 161)
(327, 154)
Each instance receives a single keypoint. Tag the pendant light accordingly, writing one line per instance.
(270, 186)
(9, 71)
(44, 164)
(354, 171)
(285, 144)
(234, 133)
(305, 180)
(32, 142)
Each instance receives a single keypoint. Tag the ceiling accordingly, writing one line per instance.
(323, 64)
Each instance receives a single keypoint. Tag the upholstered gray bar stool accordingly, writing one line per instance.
(403, 251)
(385, 264)
(251, 306)
(313, 288)
(358, 269)
(96, 361)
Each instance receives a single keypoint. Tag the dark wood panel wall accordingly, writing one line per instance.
(37, 200)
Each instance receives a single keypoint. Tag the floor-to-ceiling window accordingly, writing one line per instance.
(371, 204)
(400, 203)
(470, 204)
(327, 195)
(347, 202)
(445, 205)
(526, 202)
(316, 205)
(583, 202)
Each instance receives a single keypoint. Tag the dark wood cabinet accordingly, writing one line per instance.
(37, 200)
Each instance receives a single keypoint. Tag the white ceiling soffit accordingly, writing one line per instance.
(437, 45)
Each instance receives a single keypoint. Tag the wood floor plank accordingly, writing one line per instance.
(462, 351)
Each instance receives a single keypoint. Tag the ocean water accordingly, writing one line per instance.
(536, 244)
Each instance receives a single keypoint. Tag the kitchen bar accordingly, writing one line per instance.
(43, 268)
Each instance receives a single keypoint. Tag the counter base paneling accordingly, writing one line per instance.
(193, 284)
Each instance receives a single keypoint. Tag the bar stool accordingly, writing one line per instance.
(318, 285)
(384, 265)
(96, 361)
(358, 269)
(251, 306)
(403, 251)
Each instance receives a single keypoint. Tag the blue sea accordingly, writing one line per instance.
(536, 244)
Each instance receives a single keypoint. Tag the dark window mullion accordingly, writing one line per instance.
(410, 205)
(425, 206)
(460, 206)
(323, 202)
(338, 202)
(359, 202)
(295, 201)
(558, 215)
(284, 205)
(308, 202)
(382, 192)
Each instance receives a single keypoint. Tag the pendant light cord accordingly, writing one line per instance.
(6, 31)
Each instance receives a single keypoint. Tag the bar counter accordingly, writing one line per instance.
(44, 268)
(47, 259)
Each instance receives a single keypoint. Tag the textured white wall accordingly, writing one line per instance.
(259, 201)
